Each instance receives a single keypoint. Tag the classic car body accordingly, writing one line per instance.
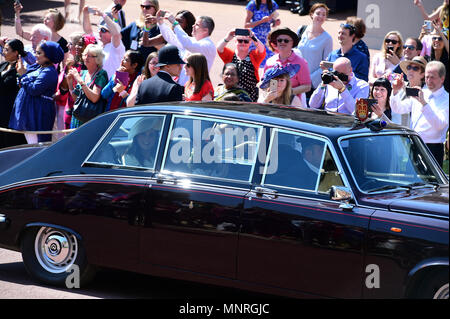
(225, 200)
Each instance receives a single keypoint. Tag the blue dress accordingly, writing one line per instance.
(34, 107)
(261, 31)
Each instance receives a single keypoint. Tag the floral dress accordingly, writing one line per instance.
(261, 31)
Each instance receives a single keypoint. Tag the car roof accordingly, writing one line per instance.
(315, 121)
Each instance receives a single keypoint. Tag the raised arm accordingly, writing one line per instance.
(18, 24)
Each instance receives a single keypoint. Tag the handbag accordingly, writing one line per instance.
(84, 109)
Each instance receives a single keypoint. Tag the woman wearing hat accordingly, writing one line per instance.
(12, 50)
(282, 41)
(144, 136)
(415, 73)
(34, 107)
(283, 93)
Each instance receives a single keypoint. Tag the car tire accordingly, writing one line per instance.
(435, 286)
(51, 254)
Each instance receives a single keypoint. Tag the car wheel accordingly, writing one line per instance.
(435, 286)
(50, 254)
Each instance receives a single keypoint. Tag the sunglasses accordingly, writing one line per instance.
(436, 38)
(410, 47)
(284, 40)
(187, 65)
(243, 41)
(391, 41)
(146, 7)
(348, 26)
(413, 67)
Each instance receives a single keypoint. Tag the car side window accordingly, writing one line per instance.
(301, 162)
(132, 142)
(212, 148)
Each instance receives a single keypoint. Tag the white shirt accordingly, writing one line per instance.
(113, 58)
(184, 42)
(431, 120)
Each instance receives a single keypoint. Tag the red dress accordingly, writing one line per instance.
(206, 89)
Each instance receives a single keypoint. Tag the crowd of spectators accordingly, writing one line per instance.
(58, 83)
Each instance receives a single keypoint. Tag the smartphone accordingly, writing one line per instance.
(124, 77)
(91, 10)
(412, 91)
(328, 65)
(273, 85)
(370, 102)
(428, 25)
(244, 32)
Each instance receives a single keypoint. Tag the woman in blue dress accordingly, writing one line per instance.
(262, 15)
(34, 107)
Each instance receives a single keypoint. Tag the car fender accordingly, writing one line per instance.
(37, 224)
(421, 269)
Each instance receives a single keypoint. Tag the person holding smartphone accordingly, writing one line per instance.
(391, 54)
(429, 109)
(246, 60)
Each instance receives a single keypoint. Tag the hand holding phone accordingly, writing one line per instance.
(273, 86)
(327, 65)
(123, 77)
(242, 32)
(427, 26)
(412, 91)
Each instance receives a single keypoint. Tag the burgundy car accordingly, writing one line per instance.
(301, 203)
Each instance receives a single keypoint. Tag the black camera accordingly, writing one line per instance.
(328, 77)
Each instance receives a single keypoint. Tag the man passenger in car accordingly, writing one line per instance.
(340, 96)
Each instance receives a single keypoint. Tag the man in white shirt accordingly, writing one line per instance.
(429, 110)
(110, 36)
(340, 95)
(200, 42)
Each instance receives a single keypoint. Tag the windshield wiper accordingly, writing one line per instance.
(389, 187)
(422, 184)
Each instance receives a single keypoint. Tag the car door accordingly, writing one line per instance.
(113, 189)
(293, 236)
(193, 217)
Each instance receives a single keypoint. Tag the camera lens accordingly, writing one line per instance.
(327, 78)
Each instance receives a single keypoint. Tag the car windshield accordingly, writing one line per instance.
(390, 162)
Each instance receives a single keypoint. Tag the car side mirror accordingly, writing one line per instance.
(342, 194)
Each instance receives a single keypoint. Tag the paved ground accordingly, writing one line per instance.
(227, 14)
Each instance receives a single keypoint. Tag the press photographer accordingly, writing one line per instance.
(339, 89)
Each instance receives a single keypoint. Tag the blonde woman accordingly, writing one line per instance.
(391, 55)
(282, 92)
(53, 19)
(91, 81)
(143, 34)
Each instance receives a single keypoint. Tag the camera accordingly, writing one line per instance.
(328, 77)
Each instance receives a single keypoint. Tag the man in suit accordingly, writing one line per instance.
(161, 87)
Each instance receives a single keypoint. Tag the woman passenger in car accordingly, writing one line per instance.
(144, 136)
(381, 91)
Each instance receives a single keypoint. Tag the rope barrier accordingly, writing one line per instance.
(8, 130)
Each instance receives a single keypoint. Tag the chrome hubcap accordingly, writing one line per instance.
(442, 293)
(56, 250)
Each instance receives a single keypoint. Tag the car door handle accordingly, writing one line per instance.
(270, 193)
(166, 179)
